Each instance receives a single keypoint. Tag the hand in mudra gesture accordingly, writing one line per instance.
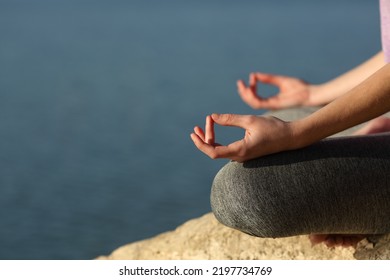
(293, 92)
(263, 135)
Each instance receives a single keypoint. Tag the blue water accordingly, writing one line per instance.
(98, 98)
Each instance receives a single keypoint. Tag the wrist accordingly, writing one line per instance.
(297, 138)
(317, 95)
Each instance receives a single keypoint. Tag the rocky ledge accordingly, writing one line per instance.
(206, 239)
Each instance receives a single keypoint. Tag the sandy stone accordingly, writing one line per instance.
(374, 248)
(206, 239)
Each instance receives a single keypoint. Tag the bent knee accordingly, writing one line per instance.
(241, 201)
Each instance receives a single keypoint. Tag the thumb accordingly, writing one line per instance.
(276, 80)
(231, 120)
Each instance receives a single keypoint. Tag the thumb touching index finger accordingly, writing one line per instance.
(276, 80)
(231, 120)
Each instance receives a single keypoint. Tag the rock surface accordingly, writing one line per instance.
(374, 248)
(206, 239)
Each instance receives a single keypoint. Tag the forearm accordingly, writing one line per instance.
(329, 91)
(366, 101)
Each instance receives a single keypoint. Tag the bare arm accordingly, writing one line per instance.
(366, 101)
(329, 91)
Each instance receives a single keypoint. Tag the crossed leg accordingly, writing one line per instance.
(378, 125)
(337, 190)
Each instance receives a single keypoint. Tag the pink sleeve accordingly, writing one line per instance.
(385, 27)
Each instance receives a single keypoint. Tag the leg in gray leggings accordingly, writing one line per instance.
(337, 186)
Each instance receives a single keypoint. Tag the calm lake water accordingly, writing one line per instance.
(98, 98)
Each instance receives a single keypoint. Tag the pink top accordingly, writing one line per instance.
(385, 27)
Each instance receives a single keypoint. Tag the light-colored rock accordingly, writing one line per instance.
(374, 248)
(206, 239)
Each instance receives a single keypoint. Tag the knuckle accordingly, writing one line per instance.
(242, 152)
(251, 119)
(213, 155)
(228, 118)
(256, 105)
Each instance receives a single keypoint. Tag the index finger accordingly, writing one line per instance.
(272, 79)
(210, 135)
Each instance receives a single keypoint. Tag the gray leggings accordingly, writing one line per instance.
(339, 185)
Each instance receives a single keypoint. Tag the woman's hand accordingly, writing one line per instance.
(293, 92)
(263, 135)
